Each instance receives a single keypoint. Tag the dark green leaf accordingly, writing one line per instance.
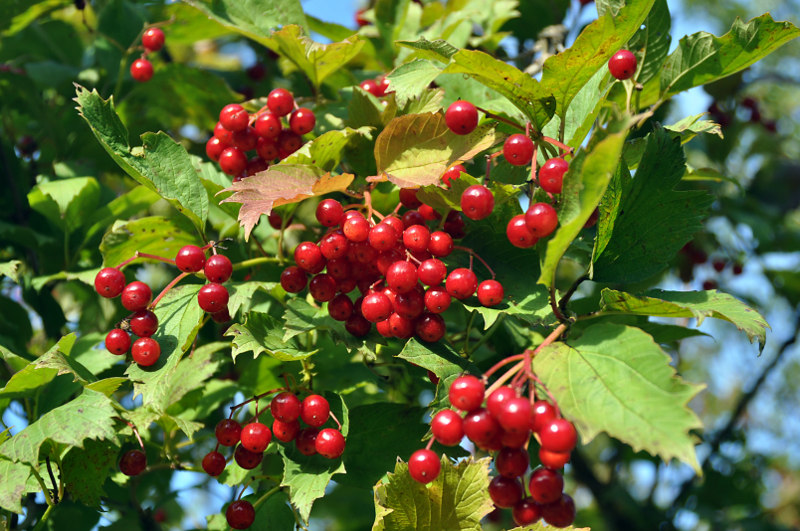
(86, 469)
(261, 333)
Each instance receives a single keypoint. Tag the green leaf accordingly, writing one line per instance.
(697, 304)
(616, 379)
(410, 80)
(437, 50)
(160, 164)
(42, 371)
(121, 207)
(87, 417)
(274, 514)
(415, 150)
(15, 478)
(10, 269)
(86, 469)
(526, 93)
(651, 42)
(152, 235)
(301, 317)
(652, 220)
(325, 151)
(685, 129)
(244, 295)
(252, 18)
(65, 202)
(541, 526)
(87, 277)
(457, 499)
(584, 186)
(261, 333)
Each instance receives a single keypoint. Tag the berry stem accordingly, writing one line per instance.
(166, 289)
(533, 171)
(138, 254)
(136, 433)
(338, 424)
(266, 495)
(505, 361)
(558, 144)
(499, 118)
(255, 398)
(556, 310)
(562, 303)
(255, 261)
(476, 255)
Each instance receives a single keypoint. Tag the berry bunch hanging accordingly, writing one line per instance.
(152, 41)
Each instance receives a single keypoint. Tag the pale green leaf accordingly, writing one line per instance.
(15, 478)
(152, 235)
(86, 469)
(261, 333)
(410, 80)
(42, 371)
(10, 269)
(438, 50)
(325, 151)
(64, 202)
(254, 19)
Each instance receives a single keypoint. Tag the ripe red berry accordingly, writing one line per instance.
(432, 272)
(560, 513)
(461, 117)
(356, 228)
(109, 282)
(718, 265)
(518, 150)
(268, 126)
(285, 431)
(340, 307)
(371, 86)
(314, 410)
(384, 328)
(545, 485)
(477, 202)
(430, 327)
(285, 407)
(709, 284)
(526, 512)
(280, 102)
(213, 298)
(376, 307)
(256, 437)
(519, 234)
(737, 269)
(322, 287)
(480, 426)
(440, 244)
(234, 117)
(288, 142)
(424, 466)
(136, 296)
(554, 460)
(416, 238)
(382, 237)
(308, 257)
(334, 245)
(541, 415)
(247, 459)
(461, 283)
(409, 305)
(305, 441)
(240, 514)
(454, 225)
(214, 148)
(118, 342)
(267, 149)
(401, 276)
(408, 198)
(515, 414)
(622, 64)
(383, 85)
(153, 39)
(505, 492)
(437, 300)
(145, 351)
(302, 121)
(490, 293)
(551, 175)
(511, 462)
(558, 435)
(466, 392)
(447, 428)
(541, 219)
(428, 213)
(142, 70)
(256, 165)
(329, 443)
(214, 463)
(190, 259)
(357, 325)
(293, 279)
(411, 218)
(495, 401)
(329, 212)
(144, 323)
(228, 432)
(232, 161)
(218, 268)
(452, 173)
(360, 20)
(133, 462)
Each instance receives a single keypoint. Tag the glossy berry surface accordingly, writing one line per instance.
(382, 237)
(133, 462)
(447, 428)
(329, 212)
(190, 259)
(153, 39)
(214, 148)
(511, 462)
(247, 459)
(357, 325)
(480, 426)
(518, 150)
(558, 435)
(285, 407)
(545, 485)
(401, 276)
(141, 70)
(232, 161)
(515, 414)
(477, 202)
(622, 65)
(268, 126)
(314, 410)
(376, 307)
(541, 219)
(322, 287)
(371, 86)
(293, 279)
(144, 323)
(526, 512)
(437, 300)
(440, 244)
(240, 514)
(505, 492)
(145, 351)
(490, 293)
(466, 392)
(213, 297)
(109, 282)
(554, 460)
(560, 513)
(452, 173)
(424, 466)
(495, 401)
(542, 413)
(416, 238)
(430, 327)
(136, 296)
(461, 283)
(308, 256)
(551, 175)
(356, 228)
(256, 437)
(306, 441)
(461, 117)
(302, 121)
(432, 272)
(329, 443)
(228, 432)
(280, 102)
(519, 234)
(234, 117)
(118, 342)
(408, 198)
(218, 268)
(285, 431)
(213, 463)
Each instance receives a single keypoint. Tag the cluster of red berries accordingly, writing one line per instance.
(251, 441)
(750, 106)
(152, 41)
(504, 425)
(239, 132)
(391, 262)
(377, 87)
(137, 297)
(692, 256)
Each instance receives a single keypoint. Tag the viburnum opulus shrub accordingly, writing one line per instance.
(395, 216)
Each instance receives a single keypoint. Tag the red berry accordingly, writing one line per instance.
(376, 307)
(409, 305)
(144, 323)
(461, 117)
(118, 342)
(232, 161)
(440, 244)
(190, 259)
(560, 513)
(737, 269)
(505, 492)
(329, 443)
(293, 279)
(430, 327)
(416, 238)
(233, 117)
(133, 462)
(515, 439)
(213, 298)
(461, 283)
(541, 415)
(333, 245)
(268, 125)
(382, 237)
(360, 20)
(515, 414)
(109, 282)
(453, 172)
(518, 150)
(480, 426)
(285, 431)
(558, 435)
(408, 198)
(718, 265)
(153, 39)
(437, 300)
(446, 427)
(622, 64)
(225, 136)
(424, 466)
(288, 142)
(512, 462)
(554, 460)
(383, 85)
(541, 219)
(302, 121)
(526, 512)
(356, 228)
(495, 401)
(214, 463)
(411, 218)
(305, 441)
(551, 175)
(341, 307)
(490, 293)
(267, 149)
(228, 432)
(466, 392)
(247, 459)
(454, 224)
(285, 407)
(329, 212)
(372, 87)
(280, 102)
(432, 272)
(145, 351)
(240, 514)
(384, 328)
(218, 268)
(322, 287)
(477, 202)
(256, 437)
(142, 70)
(428, 213)
(314, 410)
(396, 223)
(357, 325)
(709, 284)
(519, 234)
(214, 148)
(308, 256)
(401, 276)
(256, 165)
(546, 485)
